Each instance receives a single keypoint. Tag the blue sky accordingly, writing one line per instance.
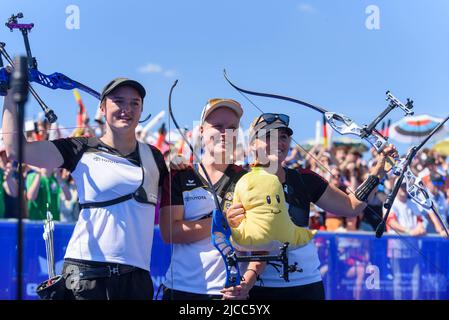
(318, 51)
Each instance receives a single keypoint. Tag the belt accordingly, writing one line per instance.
(107, 271)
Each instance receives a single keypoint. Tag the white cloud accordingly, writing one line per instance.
(150, 68)
(156, 68)
(306, 8)
(169, 73)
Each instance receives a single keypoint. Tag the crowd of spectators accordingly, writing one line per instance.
(344, 166)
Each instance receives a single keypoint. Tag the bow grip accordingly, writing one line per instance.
(389, 201)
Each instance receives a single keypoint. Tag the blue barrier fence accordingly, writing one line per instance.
(354, 266)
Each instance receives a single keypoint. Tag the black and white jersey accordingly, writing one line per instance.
(197, 266)
(122, 232)
(301, 187)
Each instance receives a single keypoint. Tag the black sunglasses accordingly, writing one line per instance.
(269, 118)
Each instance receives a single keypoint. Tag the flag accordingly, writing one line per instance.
(387, 129)
(325, 142)
(81, 116)
(382, 129)
(161, 137)
(317, 132)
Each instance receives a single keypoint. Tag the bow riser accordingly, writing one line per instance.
(58, 80)
(416, 190)
(345, 125)
(420, 196)
(221, 234)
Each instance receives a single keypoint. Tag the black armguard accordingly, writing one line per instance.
(364, 190)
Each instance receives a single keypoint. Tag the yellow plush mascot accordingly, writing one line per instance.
(267, 224)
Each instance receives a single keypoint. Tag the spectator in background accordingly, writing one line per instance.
(139, 135)
(316, 218)
(99, 120)
(44, 188)
(405, 218)
(352, 166)
(336, 222)
(41, 128)
(9, 188)
(441, 163)
(325, 163)
(69, 206)
(294, 158)
(85, 130)
(340, 155)
(435, 185)
(429, 166)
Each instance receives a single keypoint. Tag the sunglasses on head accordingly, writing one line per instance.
(269, 118)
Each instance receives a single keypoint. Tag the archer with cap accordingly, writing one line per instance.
(270, 138)
(197, 271)
(117, 179)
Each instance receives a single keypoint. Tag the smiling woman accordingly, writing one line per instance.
(197, 271)
(118, 181)
(271, 137)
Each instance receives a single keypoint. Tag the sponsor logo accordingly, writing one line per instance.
(192, 198)
(190, 183)
(100, 159)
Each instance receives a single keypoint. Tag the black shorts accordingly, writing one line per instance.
(133, 285)
(170, 294)
(313, 291)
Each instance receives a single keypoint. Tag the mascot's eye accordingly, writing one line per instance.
(268, 200)
(278, 198)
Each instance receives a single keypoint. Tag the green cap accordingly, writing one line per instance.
(120, 82)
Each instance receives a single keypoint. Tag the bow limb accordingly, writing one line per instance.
(435, 210)
(339, 122)
(274, 96)
(220, 230)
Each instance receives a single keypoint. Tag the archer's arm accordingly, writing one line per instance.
(43, 154)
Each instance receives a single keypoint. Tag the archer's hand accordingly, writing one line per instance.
(240, 292)
(389, 153)
(235, 214)
(179, 163)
